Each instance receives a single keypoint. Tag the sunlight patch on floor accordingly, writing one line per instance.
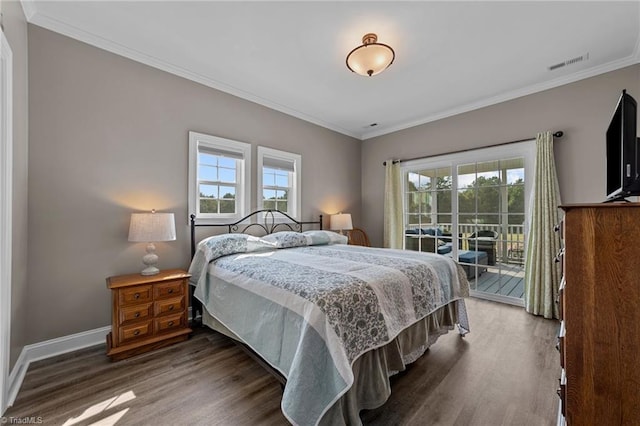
(101, 407)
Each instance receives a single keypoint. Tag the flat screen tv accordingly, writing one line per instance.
(623, 153)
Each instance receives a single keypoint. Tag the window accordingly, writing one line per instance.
(219, 178)
(279, 186)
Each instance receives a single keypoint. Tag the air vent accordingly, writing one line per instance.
(569, 62)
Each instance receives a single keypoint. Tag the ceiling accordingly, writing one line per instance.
(451, 57)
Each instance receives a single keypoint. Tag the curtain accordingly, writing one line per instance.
(542, 274)
(393, 227)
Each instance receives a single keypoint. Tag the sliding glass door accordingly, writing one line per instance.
(472, 207)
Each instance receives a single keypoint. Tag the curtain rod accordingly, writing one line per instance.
(557, 134)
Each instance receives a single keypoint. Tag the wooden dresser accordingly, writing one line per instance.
(148, 312)
(600, 315)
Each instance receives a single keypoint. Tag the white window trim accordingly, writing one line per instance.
(243, 184)
(296, 188)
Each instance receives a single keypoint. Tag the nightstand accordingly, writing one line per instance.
(148, 312)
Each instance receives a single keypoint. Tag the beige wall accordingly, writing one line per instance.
(15, 28)
(582, 110)
(109, 136)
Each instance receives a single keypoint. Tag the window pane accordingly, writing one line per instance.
(270, 204)
(412, 221)
(425, 181)
(282, 206)
(209, 159)
(227, 175)
(229, 163)
(516, 219)
(413, 180)
(268, 178)
(444, 201)
(466, 175)
(516, 198)
(488, 199)
(488, 173)
(209, 191)
(227, 206)
(424, 201)
(282, 179)
(207, 173)
(208, 205)
(268, 194)
(445, 221)
(466, 200)
(515, 169)
(227, 192)
(281, 195)
(413, 203)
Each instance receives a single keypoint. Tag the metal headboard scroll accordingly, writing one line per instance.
(265, 221)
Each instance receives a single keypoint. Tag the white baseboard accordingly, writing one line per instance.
(48, 349)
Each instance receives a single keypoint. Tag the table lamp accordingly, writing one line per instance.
(149, 228)
(340, 222)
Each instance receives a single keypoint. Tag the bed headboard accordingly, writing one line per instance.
(264, 220)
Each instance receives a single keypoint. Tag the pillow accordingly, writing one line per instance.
(286, 239)
(212, 248)
(225, 244)
(318, 238)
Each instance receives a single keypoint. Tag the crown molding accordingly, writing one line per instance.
(529, 90)
(36, 18)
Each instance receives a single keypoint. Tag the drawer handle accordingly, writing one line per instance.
(170, 290)
(171, 307)
(137, 315)
(170, 323)
(136, 296)
(135, 333)
(556, 228)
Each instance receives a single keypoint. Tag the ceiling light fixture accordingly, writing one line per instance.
(371, 57)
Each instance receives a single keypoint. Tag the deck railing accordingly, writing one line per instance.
(509, 243)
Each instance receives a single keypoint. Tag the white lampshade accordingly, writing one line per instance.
(341, 222)
(152, 227)
(149, 228)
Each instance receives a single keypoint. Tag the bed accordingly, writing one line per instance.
(333, 321)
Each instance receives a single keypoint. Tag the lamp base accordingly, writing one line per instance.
(151, 270)
(150, 259)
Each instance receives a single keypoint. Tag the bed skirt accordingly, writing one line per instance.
(371, 386)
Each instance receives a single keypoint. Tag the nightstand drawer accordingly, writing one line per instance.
(137, 294)
(136, 331)
(169, 306)
(168, 289)
(135, 313)
(169, 323)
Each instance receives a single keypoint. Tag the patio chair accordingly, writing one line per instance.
(484, 240)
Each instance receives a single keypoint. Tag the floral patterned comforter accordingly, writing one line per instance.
(311, 310)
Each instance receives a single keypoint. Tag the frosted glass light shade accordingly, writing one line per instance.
(370, 58)
(340, 222)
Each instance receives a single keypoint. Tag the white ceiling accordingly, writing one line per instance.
(451, 57)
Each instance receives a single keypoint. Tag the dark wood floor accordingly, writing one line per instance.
(503, 373)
